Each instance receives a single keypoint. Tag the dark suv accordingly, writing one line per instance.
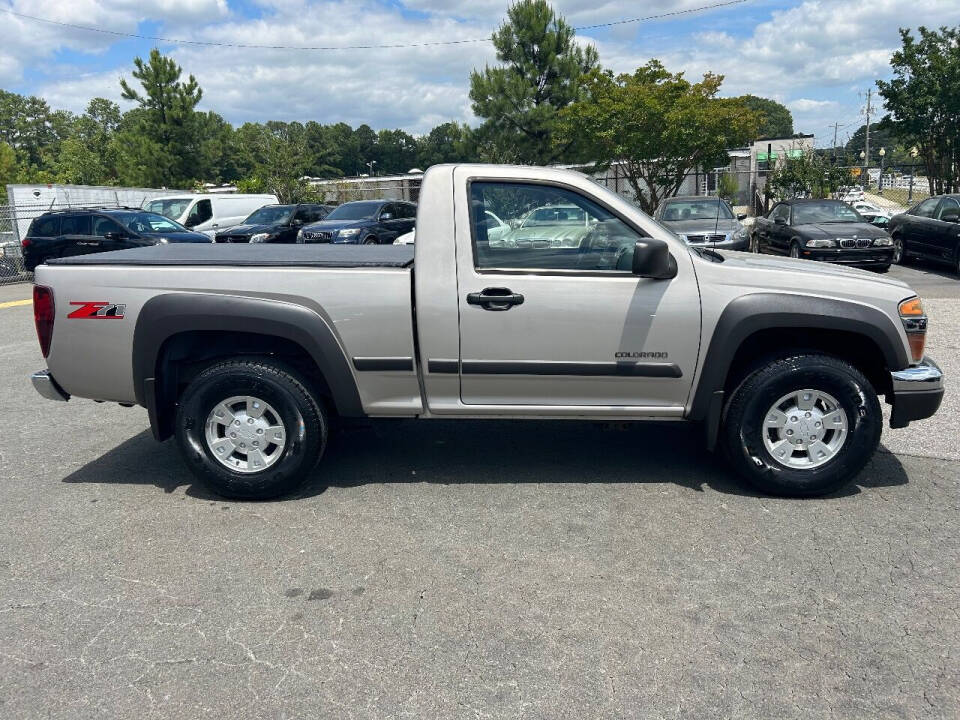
(363, 222)
(274, 224)
(62, 233)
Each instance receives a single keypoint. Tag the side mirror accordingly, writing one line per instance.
(741, 216)
(780, 221)
(652, 259)
(952, 216)
(296, 222)
(191, 221)
(386, 216)
(113, 236)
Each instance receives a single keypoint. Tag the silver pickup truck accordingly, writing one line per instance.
(569, 303)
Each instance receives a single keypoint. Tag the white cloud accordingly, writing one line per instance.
(806, 105)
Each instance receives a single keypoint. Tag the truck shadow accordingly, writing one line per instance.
(485, 452)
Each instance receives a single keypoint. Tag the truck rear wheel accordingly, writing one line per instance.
(802, 426)
(250, 429)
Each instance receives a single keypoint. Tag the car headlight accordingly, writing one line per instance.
(259, 237)
(349, 232)
(163, 240)
(883, 242)
(300, 235)
(821, 243)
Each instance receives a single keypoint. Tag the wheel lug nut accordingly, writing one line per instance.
(250, 421)
(789, 432)
(808, 415)
(818, 423)
(233, 435)
(255, 443)
(236, 422)
(813, 437)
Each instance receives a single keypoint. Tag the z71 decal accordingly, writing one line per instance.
(98, 311)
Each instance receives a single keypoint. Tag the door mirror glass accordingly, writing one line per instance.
(112, 235)
(296, 222)
(951, 216)
(652, 259)
(780, 220)
(386, 216)
(741, 216)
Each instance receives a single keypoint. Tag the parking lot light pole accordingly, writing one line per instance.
(883, 152)
(863, 170)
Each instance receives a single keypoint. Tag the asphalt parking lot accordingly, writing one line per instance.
(440, 570)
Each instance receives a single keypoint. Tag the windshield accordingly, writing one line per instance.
(271, 215)
(706, 209)
(355, 211)
(169, 208)
(149, 223)
(556, 215)
(824, 212)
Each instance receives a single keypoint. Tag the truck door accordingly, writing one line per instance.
(550, 312)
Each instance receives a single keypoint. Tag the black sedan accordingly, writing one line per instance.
(274, 224)
(930, 229)
(828, 230)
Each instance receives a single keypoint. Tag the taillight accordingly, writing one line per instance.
(43, 315)
(24, 242)
(914, 321)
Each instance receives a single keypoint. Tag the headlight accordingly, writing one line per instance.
(259, 237)
(914, 321)
(349, 232)
(300, 235)
(883, 242)
(821, 243)
(163, 240)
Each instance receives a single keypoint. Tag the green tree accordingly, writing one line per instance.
(923, 99)
(543, 71)
(659, 125)
(169, 129)
(776, 121)
(446, 143)
(809, 174)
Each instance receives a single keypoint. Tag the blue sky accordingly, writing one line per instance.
(815, 56)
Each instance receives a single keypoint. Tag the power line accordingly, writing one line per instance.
(247, 46)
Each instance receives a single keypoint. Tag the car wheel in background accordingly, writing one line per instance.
(882, 269)
(802, 426)
(370, 240)
(795, 249)
(754, 243)
(250, 429)
(898, 255)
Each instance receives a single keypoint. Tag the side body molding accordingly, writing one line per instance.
(749, 314)
(164, 316)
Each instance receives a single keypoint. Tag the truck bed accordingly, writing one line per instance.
(266, 255)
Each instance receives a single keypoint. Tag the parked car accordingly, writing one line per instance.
(274, 224)
(703, 220)
(63, 233)
(828, 230)
(930, 230)
(363, 222)
(244, 353)
(208, 213)
(850, 194)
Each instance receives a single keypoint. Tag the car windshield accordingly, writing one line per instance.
(355, 211)
(705, 209)
(824, 212)
(271, 215)
(172, 209)
(555, 215)
(149, 223)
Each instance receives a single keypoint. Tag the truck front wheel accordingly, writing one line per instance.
(250, 429)
(802, 426)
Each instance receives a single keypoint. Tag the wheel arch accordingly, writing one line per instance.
(179, 333)
(755, 328)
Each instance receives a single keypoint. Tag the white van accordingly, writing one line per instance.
(208, 213)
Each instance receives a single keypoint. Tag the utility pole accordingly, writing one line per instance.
(836, 128)
(866, 146)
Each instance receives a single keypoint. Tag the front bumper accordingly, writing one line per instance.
(44, 384)
(917, 393)
(866, 257)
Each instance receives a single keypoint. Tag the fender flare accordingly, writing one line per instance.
(165, 316)
(750, 314)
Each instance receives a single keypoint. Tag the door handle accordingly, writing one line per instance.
(496, 299)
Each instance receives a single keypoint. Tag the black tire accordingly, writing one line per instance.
(899, 252)
(754, 243)
(882, 269)
(303, 418)
(795, 249)
(370, 240)
(742, 431)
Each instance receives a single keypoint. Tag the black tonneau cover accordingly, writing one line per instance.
(257, 255)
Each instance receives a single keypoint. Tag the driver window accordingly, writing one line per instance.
(200, 213)
(948, 207)
(546, 228)
(927, 208)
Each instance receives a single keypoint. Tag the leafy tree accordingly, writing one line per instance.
(808, 175)
(923, 98)
(396, 151)
(659, 125)
(166, 133)
(776, 121)
(8, 168)
(447, 142)
(543, 70)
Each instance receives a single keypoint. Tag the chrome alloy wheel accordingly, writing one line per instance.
(897, 251)
(245, 434)
(805, 429)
